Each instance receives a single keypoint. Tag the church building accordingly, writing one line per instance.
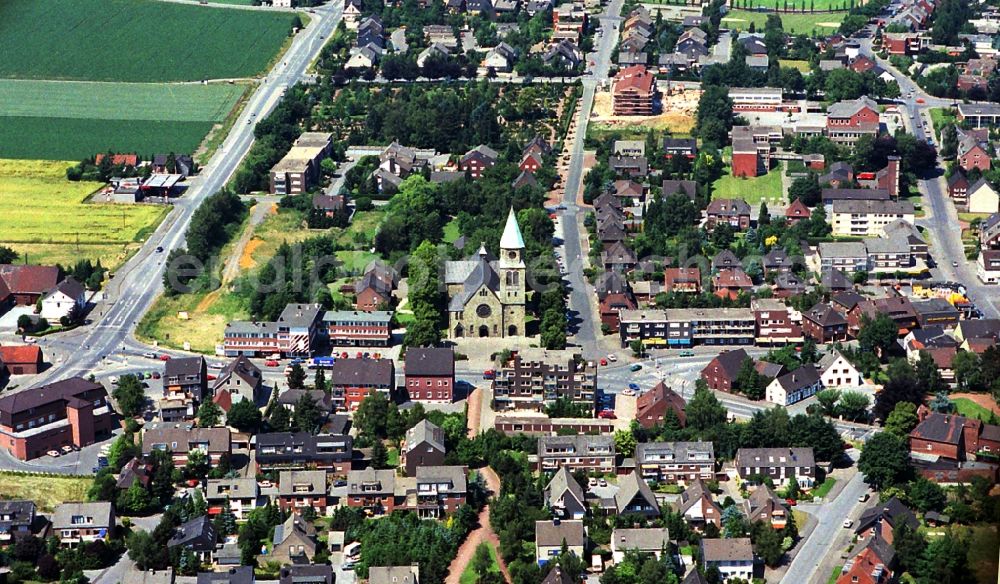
(487, 294)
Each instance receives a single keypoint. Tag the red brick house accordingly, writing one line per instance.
(823, 324)
(720, 373)
(440, 490)
(531, 162)
(730, 283)
(633, 92)
(881, 519)
(372, 490)
(796, 212)
(901, 43)
(372, 293)
(300, 489)
(958, 187)
(21, 359)
(871, 565)
(652, 406)
(26, 283)
(861, 63)
(423, 445)
(972, 154)
(614, 295)
(73, 412)
(477, 160)
(351, 380)
(119, 159)
(736, 212)
(687, 280)
(951, 436)
(430, 374)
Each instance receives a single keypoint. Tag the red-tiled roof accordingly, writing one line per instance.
(20, 354)
(25, 279)
(634, 78)
(116, 159)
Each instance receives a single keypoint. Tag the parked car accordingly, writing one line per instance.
(607, 415)
(863, 498)
(628, 392)
(164, 357)
(156, 375)
(633, 386)
(602, 482)
(489, 374)
(67, 449)
(791, 502)
(686, 353)
(613, 358)
(53, 453)
(270, 363)
(635, 367)
(149, 355)
(604, 362)
(848, 523)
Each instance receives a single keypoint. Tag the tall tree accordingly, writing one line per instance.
(885, 461)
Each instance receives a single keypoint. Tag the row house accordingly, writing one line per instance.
(823, 324)
(242, 495)
(614, 294)
(534, 378)
(73, 412)
(76, 524)
(430, 374)
(587, 453)
(542, 425)
(685, 327)
(302, 489)
(675, 462)
(775, 322)
(351, 328)
(304, 451)
(372, 490)
(780, 464)
(294, 334)
(351, 380)
(440, 491)
(182, 439)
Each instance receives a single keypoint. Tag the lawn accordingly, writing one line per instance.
(75, 120)
(469, 575)
(802, 66)
(137, 40)
(202, 330)
(751, 190)
(46, 491)
(47, 216)
(451, 232)
(971, 409)
(793, 22)
(824, 489)
(356, 261)
(362, 228)
(392, 457)
(834, 574)
(941, 116)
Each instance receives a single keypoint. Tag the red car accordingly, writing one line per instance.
(271, 363)
(489, 374)
(604, 362)
(607, 415)
(791, 502)
(164, 357)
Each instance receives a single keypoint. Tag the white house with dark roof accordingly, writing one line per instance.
(68, 296)
(646, 540)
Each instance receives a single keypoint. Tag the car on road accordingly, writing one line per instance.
(791, 502)
(607, 415)
(954, 264)
(635, 367)
(53, 453)
(604, 362)
(149, 355)
(113, 379)
(164, 357)
(686, 353)
(848, 523)
(612, 357)
(628, 392)
(633, 386)
(863, 498)
(156, 375)
(215, 366)
(489, 374)
(270, 363)
(159, 249)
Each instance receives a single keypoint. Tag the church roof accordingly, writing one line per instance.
(482, 274)
(511, 238)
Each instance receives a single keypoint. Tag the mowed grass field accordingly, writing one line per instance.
(792, 22)
(72, 120)
(766, 188)
(136, 40)
(47, 217)
(46, 491)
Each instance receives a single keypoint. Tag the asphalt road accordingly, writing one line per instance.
(941, 216)
(830, 534)
(137, 284)
(581, 300)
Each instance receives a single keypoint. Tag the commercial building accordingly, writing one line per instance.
(685, 327)
(294, 334)
(352, 328)
(534, 378)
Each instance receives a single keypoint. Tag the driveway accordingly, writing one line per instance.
(81, 462)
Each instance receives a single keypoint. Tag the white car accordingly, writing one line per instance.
(602, 482)
(628, 392)
(149, 355)
(53, 453)
(612, 358)
(848, 523)
(592, 482)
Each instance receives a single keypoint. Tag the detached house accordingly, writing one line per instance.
(76, 524)
(198, 536)
(720, 373)
(550, 536)
(67, 298)
(294, 541)
(652, 406)
(654, 541)
(430, 374)
(16, 520)
(476, 161)
(764, 505)
(697, 506)
(423, 445)
(733, 558)
(440, 490)
(564, 496)
(635, 497)
(735, 212)
(795, 386)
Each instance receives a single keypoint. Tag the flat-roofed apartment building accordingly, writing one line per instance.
(358, 329)
(533, 378)
(675, 462)
(755, 98)
(294, 334)
(684, 327)
(299, 169)
(868, 218)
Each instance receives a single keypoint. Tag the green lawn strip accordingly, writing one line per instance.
(941, 116)
(392, 458)
(469, 575)
(50, 138)
(801, 23)
(824, 489)
(137, 40)
(802, 66)
(834, 574)
(971, 409)
(751, 190)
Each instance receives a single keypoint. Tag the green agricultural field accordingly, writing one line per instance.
(48, 218)
(137, 40)
(63, 120)
(802, 23)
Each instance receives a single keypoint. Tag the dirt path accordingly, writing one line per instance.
(475, 409)
(258, 213)
(981, 399)
(483, 533)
